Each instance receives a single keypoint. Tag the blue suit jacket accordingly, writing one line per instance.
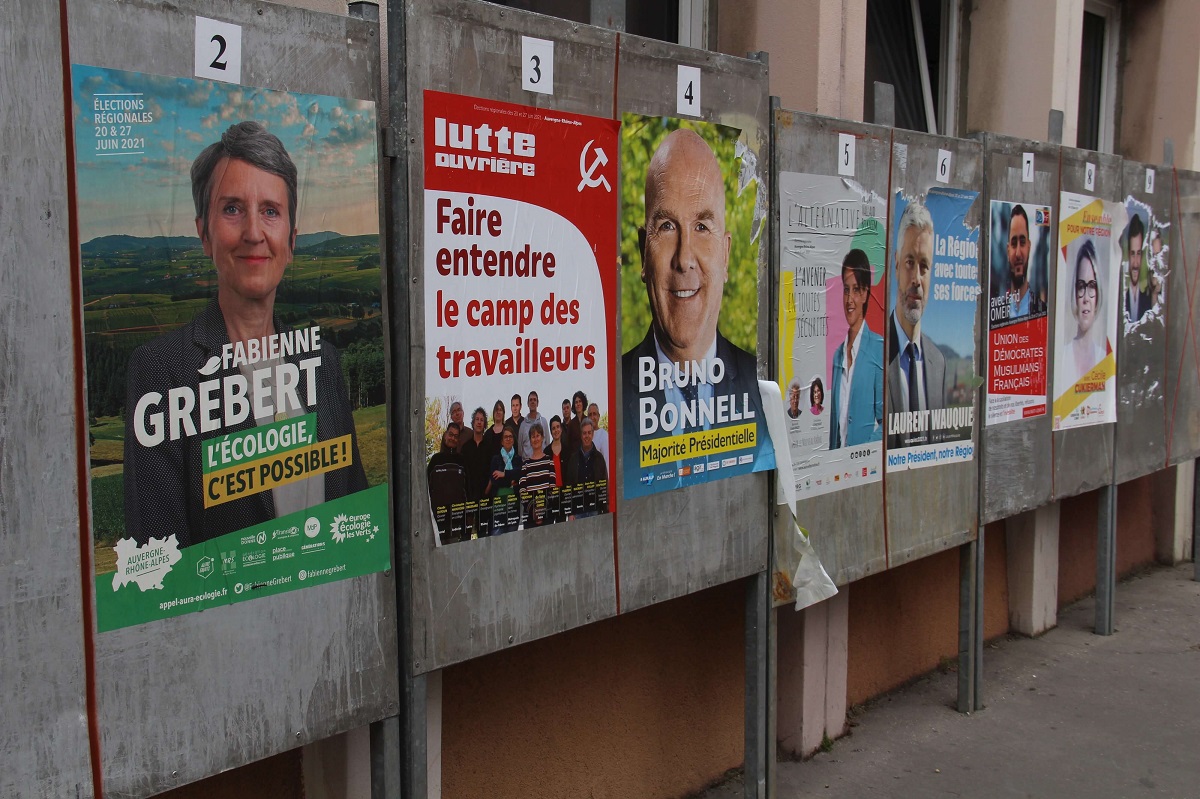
(864, 422)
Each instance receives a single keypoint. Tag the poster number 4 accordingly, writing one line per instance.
(687, 84)
(218, 50)
(845, 158)
(537, 65)
(943, 166)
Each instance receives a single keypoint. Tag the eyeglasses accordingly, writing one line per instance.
(1087, 287)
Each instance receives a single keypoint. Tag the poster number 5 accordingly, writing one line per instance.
(845, 156)
(687, 85)
(943, 166)
(537, 65)
(218, 50)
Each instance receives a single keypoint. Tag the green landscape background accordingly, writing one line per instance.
(136, 289)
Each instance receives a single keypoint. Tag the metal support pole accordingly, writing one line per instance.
(967, 577)
(758, 604)
(977, 664)
(1196, 524)
(385, 759)
(1106, 560)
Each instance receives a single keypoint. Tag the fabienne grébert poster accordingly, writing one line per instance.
(520, 300)
(832, 242)
(233, 329)
(931, 329)
(1089, 280)
(691, 409)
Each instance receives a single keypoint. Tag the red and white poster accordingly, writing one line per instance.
(520, 253)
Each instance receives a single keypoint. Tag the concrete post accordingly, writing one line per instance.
(812, 657)
(1033, 570)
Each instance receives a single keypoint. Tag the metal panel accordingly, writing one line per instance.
(1015, 457)
(43, 717)
(478, 597)
(1083, 456)
(183, 698)
(677, 542)
(1183, 374)
(935, 508)
(846, 527)
(1141, 437)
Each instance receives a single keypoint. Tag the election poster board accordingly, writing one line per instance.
(931, 329)
(1089, 277)
(1017, 313)
(831, 299)
(520, 298)
(691, 411)
(235, 365)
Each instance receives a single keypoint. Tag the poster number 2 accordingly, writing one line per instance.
(537, 65)
(687, 91)
(943, 166)
(218, 50)
(845, 156)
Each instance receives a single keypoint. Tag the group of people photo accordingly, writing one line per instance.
(518, 471)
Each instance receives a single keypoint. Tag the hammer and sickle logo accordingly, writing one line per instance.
(586, 171)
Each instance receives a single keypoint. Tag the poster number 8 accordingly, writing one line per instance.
(1089, 177)
(537, 65)
(845, 158)
(943, 166)
(687, 86)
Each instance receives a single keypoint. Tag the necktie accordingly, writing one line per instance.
(914, 390)
(691, 392)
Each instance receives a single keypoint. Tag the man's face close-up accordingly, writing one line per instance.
(533, 403)
(1018, 250)
(594, 414)
(914, 271)
(450, 440)
(585, 436)
(686, 259)
(794, 398)
(249, 236)
(479, 422)
(1135, 260)
(516, 407)
(456, 413)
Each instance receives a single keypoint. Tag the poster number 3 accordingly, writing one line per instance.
(218, 50)
(537, 65)
(687, 94)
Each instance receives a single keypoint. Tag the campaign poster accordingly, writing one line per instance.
(1017, 318)
(1144, 257)
(935, 290)
(234, 341)
(691, 410)
(832, 259)
(1089, 280)
(520, 299)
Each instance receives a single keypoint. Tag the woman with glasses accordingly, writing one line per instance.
(1089, 347)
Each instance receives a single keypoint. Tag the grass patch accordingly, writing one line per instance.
(371, 426)
(108, 508)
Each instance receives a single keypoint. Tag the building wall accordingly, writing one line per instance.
(1161, 70)
(904, 622)
(649, 704)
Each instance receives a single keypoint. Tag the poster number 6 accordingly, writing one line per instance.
(218, 50)
(537, 65)
(687, 85)
(845, 157)
(943, 166)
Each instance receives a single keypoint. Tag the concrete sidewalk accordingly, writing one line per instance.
(1070, 714)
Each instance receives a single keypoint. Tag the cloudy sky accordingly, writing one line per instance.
(145, 190)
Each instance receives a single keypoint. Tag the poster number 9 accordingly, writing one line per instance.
(687, 91)
(218, 50)
(537, 65)
(845, 154)
(943, 166)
